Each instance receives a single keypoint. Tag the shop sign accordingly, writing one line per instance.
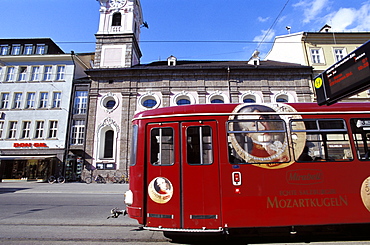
(18, 145)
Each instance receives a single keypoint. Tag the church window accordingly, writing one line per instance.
(183, 102)
(282, 99)
(110, 104)
(108, 146)
(116, 19)
(217, 101)
(149, 103)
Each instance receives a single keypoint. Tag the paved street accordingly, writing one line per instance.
(70, 213)
(73, 213)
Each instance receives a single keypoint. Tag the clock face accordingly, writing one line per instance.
(117, 3)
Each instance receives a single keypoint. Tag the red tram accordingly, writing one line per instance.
(269, 172)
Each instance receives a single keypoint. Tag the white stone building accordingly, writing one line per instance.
(36, 79)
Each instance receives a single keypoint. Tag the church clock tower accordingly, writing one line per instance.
(117, 40)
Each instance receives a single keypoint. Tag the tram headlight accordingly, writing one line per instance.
(129, 198)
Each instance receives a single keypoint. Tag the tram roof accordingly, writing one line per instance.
(227, 109)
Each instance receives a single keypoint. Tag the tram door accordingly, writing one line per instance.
(163, 175)
(201, 205)
(182, 175)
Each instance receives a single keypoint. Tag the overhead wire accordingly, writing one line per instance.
(273, 24)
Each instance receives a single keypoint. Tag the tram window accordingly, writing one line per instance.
(361, 135)
(199, 145)
(258, 141)
(325, 140)
(161, 146)
(134, 145)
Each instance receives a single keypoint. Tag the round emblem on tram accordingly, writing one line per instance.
(261, 134)
(160, 190)
(365, 193)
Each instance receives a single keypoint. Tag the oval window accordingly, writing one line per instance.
(183, 102)
(149, 103)
(110, 104)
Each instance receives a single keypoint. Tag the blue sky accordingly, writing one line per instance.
(232, 28)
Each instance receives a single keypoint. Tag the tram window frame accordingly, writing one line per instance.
(134, 141)
(199, 147)
(162, 149)
(279, 134)
(327, 140)
(361, 137)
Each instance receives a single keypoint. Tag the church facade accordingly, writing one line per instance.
(121, 86)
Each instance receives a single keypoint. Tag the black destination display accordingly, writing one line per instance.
(347, 77)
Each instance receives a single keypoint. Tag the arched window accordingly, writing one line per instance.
(215, 101)
(183, 102)
(249, 100)
(116, 21)
(108, 144)
(282, 99)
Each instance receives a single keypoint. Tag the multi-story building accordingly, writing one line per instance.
(36, 81)
(318, 49)
(121, 86)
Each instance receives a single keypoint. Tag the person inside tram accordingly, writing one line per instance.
(305, 157)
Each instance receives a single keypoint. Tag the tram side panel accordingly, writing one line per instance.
(135, 197)
(306, 193)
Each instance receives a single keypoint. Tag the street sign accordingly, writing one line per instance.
(347, 77)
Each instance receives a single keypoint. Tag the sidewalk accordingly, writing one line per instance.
(72, 187)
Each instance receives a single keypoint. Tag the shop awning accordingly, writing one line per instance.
(26, 157)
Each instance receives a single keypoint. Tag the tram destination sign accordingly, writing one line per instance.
(345, 78)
